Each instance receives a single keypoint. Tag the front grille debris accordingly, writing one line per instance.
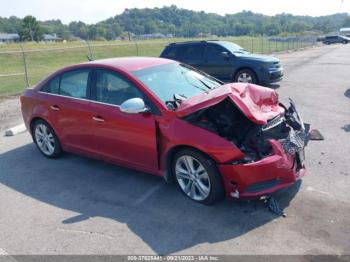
(274, 207)
(295, 142)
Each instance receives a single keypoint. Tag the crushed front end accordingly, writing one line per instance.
(275, 157)
(273, 149)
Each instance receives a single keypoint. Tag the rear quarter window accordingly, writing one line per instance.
(169, 52)
(52, 86)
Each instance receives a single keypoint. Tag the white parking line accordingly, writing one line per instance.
(149, 193)
(8, 257)
(91, 233)
(311, 189)
(3, 252)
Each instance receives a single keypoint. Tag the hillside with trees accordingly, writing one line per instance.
(184, 23)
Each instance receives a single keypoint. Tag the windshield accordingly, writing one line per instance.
(175, 80)
(233, 48)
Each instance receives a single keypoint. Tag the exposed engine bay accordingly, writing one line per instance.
(228, 121)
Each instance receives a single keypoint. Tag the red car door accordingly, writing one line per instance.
(73, 113)
(126, 138)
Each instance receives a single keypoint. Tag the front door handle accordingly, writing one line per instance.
(98, 119)
(55, 107)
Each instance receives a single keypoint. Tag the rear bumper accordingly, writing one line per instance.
(263, 177)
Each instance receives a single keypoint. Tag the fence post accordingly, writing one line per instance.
(137, 48)
(252, 45)
(276, 46)
(25, 66)
(90, 56)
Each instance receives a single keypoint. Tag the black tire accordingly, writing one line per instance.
(57, 145)
(216, 192)
(249, 72)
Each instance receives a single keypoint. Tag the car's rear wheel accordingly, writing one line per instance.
(197, 176)
(246, 76)
(46, 139)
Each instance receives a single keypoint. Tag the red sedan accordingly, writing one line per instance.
(171, 120)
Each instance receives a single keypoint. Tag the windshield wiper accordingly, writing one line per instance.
(198, 87)
(200, 80)
(179, 97)
(213, 79)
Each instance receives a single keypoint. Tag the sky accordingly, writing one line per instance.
(92, 11)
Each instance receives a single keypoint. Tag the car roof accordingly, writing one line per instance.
(198, 42)
(130, 63)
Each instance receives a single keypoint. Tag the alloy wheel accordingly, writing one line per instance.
(45, 139)
(192, 177)
(245, 78)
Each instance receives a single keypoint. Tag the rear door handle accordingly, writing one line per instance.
(55, 107)
(98, 119)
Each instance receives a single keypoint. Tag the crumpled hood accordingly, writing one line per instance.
(258, 103)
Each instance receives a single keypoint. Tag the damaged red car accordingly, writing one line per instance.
(171, 120)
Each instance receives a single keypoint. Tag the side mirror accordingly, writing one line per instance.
(134, 106)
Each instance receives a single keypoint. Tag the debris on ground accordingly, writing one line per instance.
(273, 205)
(314, 134)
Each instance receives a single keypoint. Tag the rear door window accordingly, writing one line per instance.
(75, 83)
(192, 53)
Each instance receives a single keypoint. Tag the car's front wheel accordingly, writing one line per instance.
(46, 139)
(246, 76)
(197, 176)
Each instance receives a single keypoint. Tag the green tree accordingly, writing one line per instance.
(150, 27)
(30, 29)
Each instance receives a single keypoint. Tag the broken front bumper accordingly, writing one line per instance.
(265, 176)
(282, 168)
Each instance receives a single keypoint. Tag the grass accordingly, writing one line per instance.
(54, 56)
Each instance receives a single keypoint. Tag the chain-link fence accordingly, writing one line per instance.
(23, 65)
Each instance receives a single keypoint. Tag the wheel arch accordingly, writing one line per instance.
(36, 118)
(169, 176)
